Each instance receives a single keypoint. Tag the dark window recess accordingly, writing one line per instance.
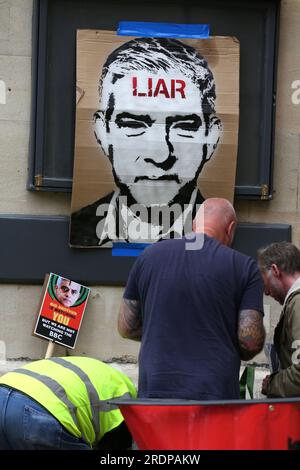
(45, 249)
(254, 23)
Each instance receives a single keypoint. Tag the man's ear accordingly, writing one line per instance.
(275, 271)
(230, 231)
(213, 135)
(100, 130)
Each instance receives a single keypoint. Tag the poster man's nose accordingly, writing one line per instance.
(161, 154)
(165, 164)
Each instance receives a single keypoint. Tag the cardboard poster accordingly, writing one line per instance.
(61, 311)
(156, 134)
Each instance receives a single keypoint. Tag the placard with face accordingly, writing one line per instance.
(156, 134)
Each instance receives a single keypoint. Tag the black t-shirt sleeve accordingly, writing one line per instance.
(131, 290)
(252, 296)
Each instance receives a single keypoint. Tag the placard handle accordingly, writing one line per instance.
(50, 349)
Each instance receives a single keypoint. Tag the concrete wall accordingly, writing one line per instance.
(98, 336)
(18, 304)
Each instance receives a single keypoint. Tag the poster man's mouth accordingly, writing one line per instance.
(158, 178)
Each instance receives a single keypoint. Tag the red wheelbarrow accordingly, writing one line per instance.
(158, 424)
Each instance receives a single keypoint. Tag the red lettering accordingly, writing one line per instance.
(134, 86)
(181, 87)
(135, 89)
(161, 88)
(172, 88)
(149, 86)
(176, 86)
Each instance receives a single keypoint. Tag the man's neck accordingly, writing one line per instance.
(214, 233)
(182, 198)
(289, 280)
(157, 222)
(291, 283)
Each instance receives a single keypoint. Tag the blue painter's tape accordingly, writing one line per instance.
(128, 249)
(163, 30)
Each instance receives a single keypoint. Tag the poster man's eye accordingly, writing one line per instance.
(132, 128)
(130, 124)
(185, 125)
(186, 128)
(134, 125)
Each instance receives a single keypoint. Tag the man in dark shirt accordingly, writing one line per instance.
(196, 311)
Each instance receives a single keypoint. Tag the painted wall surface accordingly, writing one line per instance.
(98, 336)
(15, 72)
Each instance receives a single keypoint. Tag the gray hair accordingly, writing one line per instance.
(162, 54)
(284, 254)
(62, 279)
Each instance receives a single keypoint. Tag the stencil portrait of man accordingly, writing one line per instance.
(158, 127)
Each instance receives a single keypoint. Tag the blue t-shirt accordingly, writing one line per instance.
(190, 301)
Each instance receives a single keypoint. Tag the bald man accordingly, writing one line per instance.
(197, 312)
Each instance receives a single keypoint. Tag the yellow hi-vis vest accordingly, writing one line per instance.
(75, 390)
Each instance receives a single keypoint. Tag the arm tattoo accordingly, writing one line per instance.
(132, 314)
(130, 322)
(251, 333)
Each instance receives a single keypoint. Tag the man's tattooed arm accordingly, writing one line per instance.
(130, 319)
(251, 333)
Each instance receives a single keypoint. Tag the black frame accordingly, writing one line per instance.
(43, 247)
(38, 180)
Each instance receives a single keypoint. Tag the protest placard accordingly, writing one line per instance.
(61, 310)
